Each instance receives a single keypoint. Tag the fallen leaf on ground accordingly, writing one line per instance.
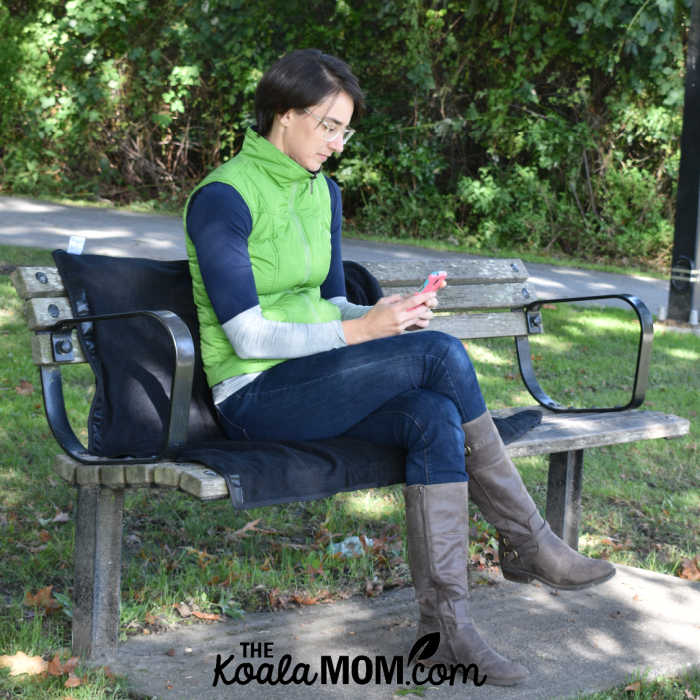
(42, 599)
(24, 388)
(373, 587)
(72, 681)
(183, 609)
(277, 600)
(634, 687)
(20, 663)
(248, 527)
(690, 569)
(55, 667)
(71, 664)
(304, 599)
(207, 616)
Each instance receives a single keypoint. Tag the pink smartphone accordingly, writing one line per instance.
(432, 283)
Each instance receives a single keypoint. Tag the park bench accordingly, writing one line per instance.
(146, 349)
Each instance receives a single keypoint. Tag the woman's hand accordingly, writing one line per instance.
(391, 316)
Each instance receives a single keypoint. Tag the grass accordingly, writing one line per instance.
(640, 687)
(641, 501)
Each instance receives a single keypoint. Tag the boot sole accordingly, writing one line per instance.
(528, 577)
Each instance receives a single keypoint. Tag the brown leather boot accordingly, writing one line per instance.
(438, 549)
(527, 547)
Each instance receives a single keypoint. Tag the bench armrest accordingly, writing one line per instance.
(641, 375)
(180, 392)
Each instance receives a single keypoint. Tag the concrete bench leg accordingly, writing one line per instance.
(98, 544)
(564, 494)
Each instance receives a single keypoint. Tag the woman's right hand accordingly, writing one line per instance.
(391, 316)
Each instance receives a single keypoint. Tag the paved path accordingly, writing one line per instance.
(41, 224)
(639, 622)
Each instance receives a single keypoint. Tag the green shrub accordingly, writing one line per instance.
(544, 110)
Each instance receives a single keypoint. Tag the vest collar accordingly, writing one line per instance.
(279, 166)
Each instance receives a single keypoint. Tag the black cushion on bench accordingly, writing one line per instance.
(298, 471)
(133, 365)
(132, 358)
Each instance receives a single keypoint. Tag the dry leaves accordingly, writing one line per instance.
(24, 388)
(20, 663)
(207, 616)
(42, 599)
(186, 611)
(248, 527)
(60, 517)
(183, 609)
(281, 601)
(690, 569)
(373, 587)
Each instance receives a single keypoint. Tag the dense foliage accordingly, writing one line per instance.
(541, 125)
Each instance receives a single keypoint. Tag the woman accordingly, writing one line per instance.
(289, 358)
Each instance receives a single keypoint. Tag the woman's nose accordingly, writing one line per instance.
(337, 143)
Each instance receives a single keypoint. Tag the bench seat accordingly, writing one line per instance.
(557, 433)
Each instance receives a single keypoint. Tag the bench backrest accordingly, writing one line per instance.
(476, 291)
(119, 351)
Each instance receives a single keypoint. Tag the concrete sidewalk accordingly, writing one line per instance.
(571, 642)
(28, 222)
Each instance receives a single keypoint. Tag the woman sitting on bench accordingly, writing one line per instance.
(289, 358)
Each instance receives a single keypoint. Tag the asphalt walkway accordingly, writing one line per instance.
(28, 222)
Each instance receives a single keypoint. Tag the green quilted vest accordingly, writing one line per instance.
(289, 247)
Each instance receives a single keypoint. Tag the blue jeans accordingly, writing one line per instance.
(412, 391)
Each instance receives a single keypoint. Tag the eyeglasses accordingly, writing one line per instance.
(331, 131)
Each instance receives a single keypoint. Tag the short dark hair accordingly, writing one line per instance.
(300, 79)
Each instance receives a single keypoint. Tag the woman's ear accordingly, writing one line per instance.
(284, 118)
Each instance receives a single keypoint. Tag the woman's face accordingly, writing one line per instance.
(300, 135)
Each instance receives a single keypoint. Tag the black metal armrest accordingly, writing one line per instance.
(180, 393)
(641, 375)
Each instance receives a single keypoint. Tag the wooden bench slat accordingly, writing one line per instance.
(481, 325)
(65, 468)
(202, 482)
(29, 282)
(42, 352)
(139, 474)
(478, 296)
(577, 431)
(43, 312)
(409, 273)
(390, 274)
